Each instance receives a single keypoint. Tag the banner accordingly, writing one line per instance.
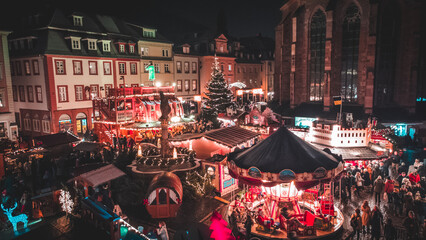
(337, 100)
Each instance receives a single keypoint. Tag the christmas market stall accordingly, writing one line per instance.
(212, 146)
(289, 186)
(165, 194)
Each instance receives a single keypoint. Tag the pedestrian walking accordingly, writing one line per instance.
(379, 186)
(356, 224)
(411, 226)
(397, 202)
(389, 186)
(247, 225)
(390, 230)
(376, 223)
(359, 183)
(366, 217)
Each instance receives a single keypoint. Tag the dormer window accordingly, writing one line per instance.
(106, 46)
(186, 49)
(132, 48)
(122, 47)
(75, 43)
(78, 21)
(150, 33)
(91, 44)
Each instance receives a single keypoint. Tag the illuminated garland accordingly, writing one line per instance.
(66, 202)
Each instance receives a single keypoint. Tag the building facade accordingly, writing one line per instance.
(368, 52)
(63, 61)
(8, 127)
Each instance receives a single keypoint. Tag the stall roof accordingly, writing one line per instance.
(101, 175)
(231, 136)
(100, 209)
(56, 139)
(354, 153)
(284, 150)
(89, 146)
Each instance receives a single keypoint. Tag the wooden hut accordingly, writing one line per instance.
(164, 195)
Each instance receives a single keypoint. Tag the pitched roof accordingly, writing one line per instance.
(101, 175)
(56, 139)
(231, 136)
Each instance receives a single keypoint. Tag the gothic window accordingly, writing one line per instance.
(350, 49)
(316, 70)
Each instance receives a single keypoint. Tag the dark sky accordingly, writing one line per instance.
(244, 17)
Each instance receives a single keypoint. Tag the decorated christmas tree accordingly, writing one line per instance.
(219, 96)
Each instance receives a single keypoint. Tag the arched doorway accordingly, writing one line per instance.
(65, 123)
(81, 123)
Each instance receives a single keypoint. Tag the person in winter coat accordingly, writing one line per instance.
(411, 226)
(379, 186)
(366, 216)
(408, 202)
(358, 183)
(389, 186)
(356, 223)
(390, 230)
(397, 201)
(366, 176)
(414, 177)
(376, 223)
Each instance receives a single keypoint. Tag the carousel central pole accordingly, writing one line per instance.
(165, 111)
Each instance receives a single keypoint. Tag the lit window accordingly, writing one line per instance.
(186, 67)
(36, 69)
(144, 51)
(77, 67)
(122, 49)
(157, 68)
(79, 94)
(75, 43)
(186, 85)
(194, 67)
(60, 67)
(30, 92)
(179, 85)
(194, 85)
(229, 67)
(93, 68)
(39, 94)
(178, 67)
(107, 68)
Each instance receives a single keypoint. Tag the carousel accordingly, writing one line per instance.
(288, 187)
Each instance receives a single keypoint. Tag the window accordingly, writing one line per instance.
(149, 33)
(63, 93)
(106, 46)
(178, 67)
(39, 94)
(185, 49)
(316, 70)
(92, 44)
(107, 68)
(94, 90)
(166, 68)
(21, 93)
(194, 85)
(144, 51)
(229, 67)
(186, 85)
(78, 21)
(145, 67)
(186, 67)
(30, 92)
(122, 48)
(77, 66)
(60, 67)
(157, 68)
(93, 68)
(107, 87)
(12, 68)
(179, 85)
(132, 48)
(133, 68)
(27, 67)
(122, 68)
(194, 67)
(165, 53)
(27, 122)
(45, 124)
(75, 43)
(18, 68)
(350, 49)
(36, 69)
(79, 92)
(36, 124)
(15, 93)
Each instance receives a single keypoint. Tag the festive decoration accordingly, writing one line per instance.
(200, 183)
(219, 96)
(219, 228)
(15, 219)
(66, 202)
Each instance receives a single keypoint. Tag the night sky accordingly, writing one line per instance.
(244, 18)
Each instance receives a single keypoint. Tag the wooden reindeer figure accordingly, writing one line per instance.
(15, 219)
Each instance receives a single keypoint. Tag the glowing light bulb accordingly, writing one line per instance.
(174, 153)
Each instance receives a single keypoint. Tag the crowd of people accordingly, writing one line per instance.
(394, 182)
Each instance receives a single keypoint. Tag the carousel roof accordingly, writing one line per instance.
(284, 150)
